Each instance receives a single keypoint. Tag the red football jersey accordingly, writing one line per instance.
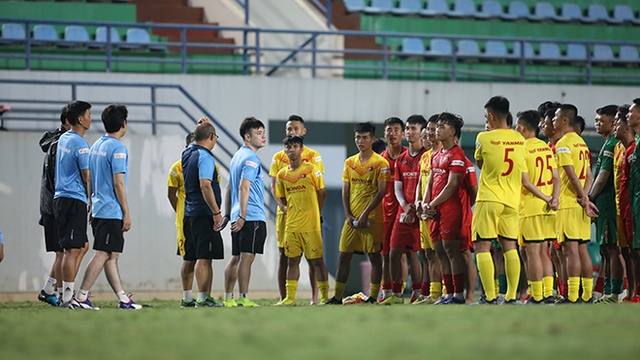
(624, 179)
(444, 162)
(390, 202)
(469, 180)
(407, 170)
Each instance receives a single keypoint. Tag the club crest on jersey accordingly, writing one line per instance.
(496, 143)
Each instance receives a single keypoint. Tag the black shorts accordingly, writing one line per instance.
(71, 220)
(189, 243)
(199, 234)
(51, 240)
(250, 238)
(107, 235)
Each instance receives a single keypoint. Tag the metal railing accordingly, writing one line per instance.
(385, 58)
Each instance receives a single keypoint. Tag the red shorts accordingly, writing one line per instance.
(627, 221)
(465, 238)
(448, 226)
(406, 237)
(386, 237)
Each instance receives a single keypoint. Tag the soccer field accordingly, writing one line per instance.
(30, 330)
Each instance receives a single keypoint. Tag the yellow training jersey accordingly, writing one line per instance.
(425, 171)
(300, 188)
(572, 150)
(618, 157)
(363, 180)
(281, 161)
(540, 164)
(176, 180)
(502, 154)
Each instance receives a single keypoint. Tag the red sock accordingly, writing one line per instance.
(397, 287)
(424, 289)
(416, 285)
(561, 287)
(625, 285)
(386, 286)
(599, 285)
(448, 283)
(458, 283)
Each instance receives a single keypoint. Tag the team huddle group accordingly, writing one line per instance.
(408, 208)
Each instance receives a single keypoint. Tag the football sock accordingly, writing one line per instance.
(338, 291)
(228, 295)
(587, 288)
(573, 284)
(60, 293)
(512, 271)
(374, 289)
(487, 274)
(323, 286)
(447, 279)
(502, 283)
(187, 295)
(242, 295)
(202, 296)
(67, 293)
(82, 295)
(547, 286)
(291, 286)
(496, 284)
(607, 286)
(48, 286)
(435, 289)
(123, 297)
(424, 289)
(396, 287)
(616, 286)
(599, 285)
(458, 285)
(536, 290)
(404, 286)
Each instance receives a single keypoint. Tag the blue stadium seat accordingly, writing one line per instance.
(463, 9)
(75, 35)
(407, 7)
(573, 12)
(101, 37)
(13, 34)
(493, 9)
(549, 52)
(495, 49)
(136, 39)
(545, 11)
(624, 13)
(602, 53)
(468, 49)
(599, 13)
(412, 47)
(528, 51)
(379, 7)
(576, 52)
(44, 35)
(353, 6)
(439, 48)
(628, 54)
(519, 10)
(436, 8)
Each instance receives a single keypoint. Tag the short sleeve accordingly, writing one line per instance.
(279, 185)
(345, 171)
(119, 160)
(478, 153)
(206, 166)
(173, 180)
(83, 156)
(250, 168)
(563, 154)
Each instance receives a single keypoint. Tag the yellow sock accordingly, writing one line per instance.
(374, 289)
(339, 289)
(404, 285)
(587, 288)
(536, 290)
(496, 282)
(529, 288)
(487, 274)
(435, 289)
(573, 283)
(291, 286)
(512, 270)
(324, 289)
(547, 286)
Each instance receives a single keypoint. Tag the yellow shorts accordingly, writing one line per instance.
(367, 240)
(492, 219)
(425, 235)
(537, 228)
(573, 224)
(180, 240)
(309, 243)
(622, 239)
(280, 224)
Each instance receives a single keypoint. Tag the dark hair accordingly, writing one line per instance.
(63, 114)
(623, 110)
(579, 124)
(293, 139)
(530, 119)
(113, 117)
(432, 119)
(379, 146)
(570, 111)
(75, 109)
(498, 105)
(365, 127)
(392, 121)
(452, 120)
(417, 119)
(296, 118)
(248, 124)
(636, 101)
(203, 131)
(546, 106)
(509, 120)
(609, 110)
(190, 138)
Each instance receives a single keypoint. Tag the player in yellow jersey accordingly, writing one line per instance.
(500, 156)
(300, 187)
(176, 195)
(364, 184)
(294, 126)
(575, 208)
(538, 203)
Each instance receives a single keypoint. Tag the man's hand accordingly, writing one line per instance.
(126, 223)
(237, 226)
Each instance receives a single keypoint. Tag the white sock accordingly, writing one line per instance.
(48, 286)
(67, 293)
(387, 292)
(459, 296)
(228, 295)
(60, 292)
(82, 295)
(242, 295)
(202, 296)
(187, 295)
(416, 293)
(122, 296)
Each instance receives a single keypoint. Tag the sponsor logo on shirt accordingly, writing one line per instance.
(83, 151)
(563, 150)
(318, 173)
(457, 163)
(296, 188)
(253, 164)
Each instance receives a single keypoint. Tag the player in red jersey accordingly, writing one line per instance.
(393, 130)
(405, 236)
(444, 206)
(468, 199)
